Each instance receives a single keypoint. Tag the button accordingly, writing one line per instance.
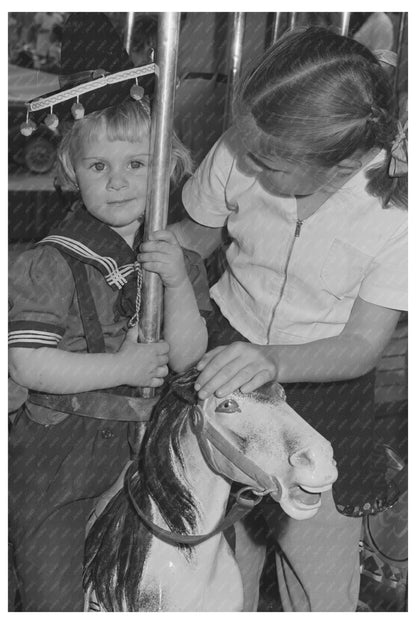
(107, 434)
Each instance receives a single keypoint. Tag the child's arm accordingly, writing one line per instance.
(41, 290)
(63, 372)
(351, 354)
(184, 328)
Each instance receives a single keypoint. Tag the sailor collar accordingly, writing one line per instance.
(82, 236)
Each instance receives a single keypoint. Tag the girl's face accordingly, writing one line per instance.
(112, 179)
(283, 177)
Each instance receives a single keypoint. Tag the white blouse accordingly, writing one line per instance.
(290, 281)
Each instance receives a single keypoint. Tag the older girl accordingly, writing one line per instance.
(311, 184)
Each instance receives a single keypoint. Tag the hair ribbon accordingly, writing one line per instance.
(398, 163)
(387, 57)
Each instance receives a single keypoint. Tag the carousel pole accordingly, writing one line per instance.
(129, 31)
(235, 53)
(399, 52)
(275, 26)
(345, 23)
(159, 176)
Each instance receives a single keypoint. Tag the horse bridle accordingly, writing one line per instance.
(209, 439)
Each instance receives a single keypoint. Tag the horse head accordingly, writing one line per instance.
(266, 445)
(255, 439)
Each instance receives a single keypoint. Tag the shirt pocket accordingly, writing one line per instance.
(344, 268)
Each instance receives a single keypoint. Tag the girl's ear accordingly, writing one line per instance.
(348, 166)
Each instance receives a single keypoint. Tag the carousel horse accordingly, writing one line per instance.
(158, 544)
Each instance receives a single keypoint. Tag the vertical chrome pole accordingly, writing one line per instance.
(292, 21)
(129, 31)
(275, 27)
(345, 23)
(235, 52)
(159, 174)
(399, 50)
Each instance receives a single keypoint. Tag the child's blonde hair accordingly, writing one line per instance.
(129, 121)
(319, 97)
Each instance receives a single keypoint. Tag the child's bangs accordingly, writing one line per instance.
(124, 123)
(127, 125)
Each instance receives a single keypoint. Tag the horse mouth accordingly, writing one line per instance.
(307, 497)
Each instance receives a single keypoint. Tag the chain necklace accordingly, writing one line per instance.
(135, 318)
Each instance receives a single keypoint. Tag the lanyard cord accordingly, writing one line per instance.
(135, 318)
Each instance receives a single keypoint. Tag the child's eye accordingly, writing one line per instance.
(136, 164)
(98, 166)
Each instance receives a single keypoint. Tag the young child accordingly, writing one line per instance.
(311, 184)
(73, 298)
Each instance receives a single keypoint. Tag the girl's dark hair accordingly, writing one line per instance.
(318, 97)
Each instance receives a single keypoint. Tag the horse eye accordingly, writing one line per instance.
(229, 406)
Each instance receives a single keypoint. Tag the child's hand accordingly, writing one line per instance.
(142, 364)
(162, 254)
(241, 365)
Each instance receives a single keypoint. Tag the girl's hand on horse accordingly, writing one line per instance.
(142, 364)
(241, 365)
(163, 255)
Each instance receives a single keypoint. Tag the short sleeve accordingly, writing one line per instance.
(41, 290)
(204, 194)
(386, 281)
(198, 277)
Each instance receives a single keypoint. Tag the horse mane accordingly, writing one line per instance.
(161, 455)
(118, 543)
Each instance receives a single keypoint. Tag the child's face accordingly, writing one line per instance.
(112, 179)
(282, 177)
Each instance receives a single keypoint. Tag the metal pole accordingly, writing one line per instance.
(292, 21)
(129, 31)
(159, 174)
(399, 50)
(345, 23)
(275, 27)
(235, 52)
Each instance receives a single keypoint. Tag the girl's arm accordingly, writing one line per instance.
(184, 329)
(200, 238)
(352, 353)
(62, 372)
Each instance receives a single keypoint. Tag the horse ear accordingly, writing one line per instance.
(183, 386)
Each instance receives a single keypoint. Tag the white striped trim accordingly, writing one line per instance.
(34, 336)
(126, 269)
(108, 263)
(92, 85)
(118, 278)
(115, 276)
